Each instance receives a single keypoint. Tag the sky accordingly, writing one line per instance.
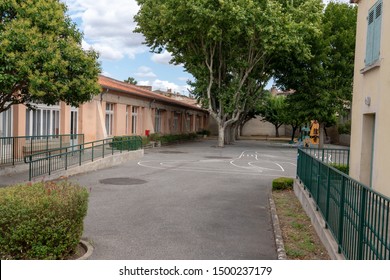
(108, 27)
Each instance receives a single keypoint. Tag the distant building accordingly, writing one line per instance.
(257, 127)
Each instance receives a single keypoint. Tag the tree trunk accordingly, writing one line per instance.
(227, 135)
(294, 129)
(233, 132)
(277, 131)
(322, 136)
(221, 135)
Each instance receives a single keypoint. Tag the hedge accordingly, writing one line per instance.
(204, 132)
(127, 143)
(341, 167)
(42, 220)
(282, 183)
(171, 138)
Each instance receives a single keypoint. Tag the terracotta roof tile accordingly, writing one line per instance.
(112, 84)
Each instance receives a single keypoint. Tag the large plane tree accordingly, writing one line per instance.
(221, 42)
(41, 59)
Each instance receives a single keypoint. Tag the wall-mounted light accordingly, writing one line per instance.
(367, 101)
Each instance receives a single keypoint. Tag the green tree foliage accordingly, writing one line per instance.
(222, 43)
(323, 81)
(339, 33)
(41, 59)
(131, 80)
(273, 109)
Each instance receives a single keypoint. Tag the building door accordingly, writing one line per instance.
(73, 126)
(368, 147)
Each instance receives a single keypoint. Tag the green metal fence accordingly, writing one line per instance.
(357, 216)
(61, 159)
(14, 149)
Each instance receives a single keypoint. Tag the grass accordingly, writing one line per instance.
(301, 242)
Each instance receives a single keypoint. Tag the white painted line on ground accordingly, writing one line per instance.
(210, 171)
(279, 166)
(265, 168)
(288, 162)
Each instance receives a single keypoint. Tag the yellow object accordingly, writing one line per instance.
(315, 132)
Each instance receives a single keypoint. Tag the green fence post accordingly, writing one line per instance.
(49, 162)
(31, 145)
(30, 169)
(298, 165)
(327, 200)
(112, 147)
(310, 175)
(13, 151)
(318, 184)
(66, 159)
(103, 150)
(341, 215)
(80, 155)
(362, 213)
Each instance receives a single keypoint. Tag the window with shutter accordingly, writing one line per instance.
(374, 33)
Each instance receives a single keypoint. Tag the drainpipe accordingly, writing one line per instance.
(101, 95)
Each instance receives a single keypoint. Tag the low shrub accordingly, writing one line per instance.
(204, 132)
(126, 143)
(341, 167)
(344, 128)
(282, 183)
(154, 136)
(42, 220)
(172, 138)
(145, 141)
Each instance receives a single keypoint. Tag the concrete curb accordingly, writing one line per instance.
(277, 231)
(88, 248)
(317, 221)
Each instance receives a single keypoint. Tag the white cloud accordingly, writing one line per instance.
(107, 74)
(162, 58)
(165, 85)
(108, 26)
(145, 72)
(183, 79)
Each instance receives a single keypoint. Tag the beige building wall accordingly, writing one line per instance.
(92, 115)
(370, 137)
(88, 127)
(256, 127)
(64, 118)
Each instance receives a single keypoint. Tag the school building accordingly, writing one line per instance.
(370, 151)
(120, 109)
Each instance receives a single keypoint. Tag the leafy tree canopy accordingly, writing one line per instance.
(41, 59)
(222, 43)
(273, 109)
(131, 80)
(323, 82)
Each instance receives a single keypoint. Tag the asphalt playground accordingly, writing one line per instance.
(187, 201)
